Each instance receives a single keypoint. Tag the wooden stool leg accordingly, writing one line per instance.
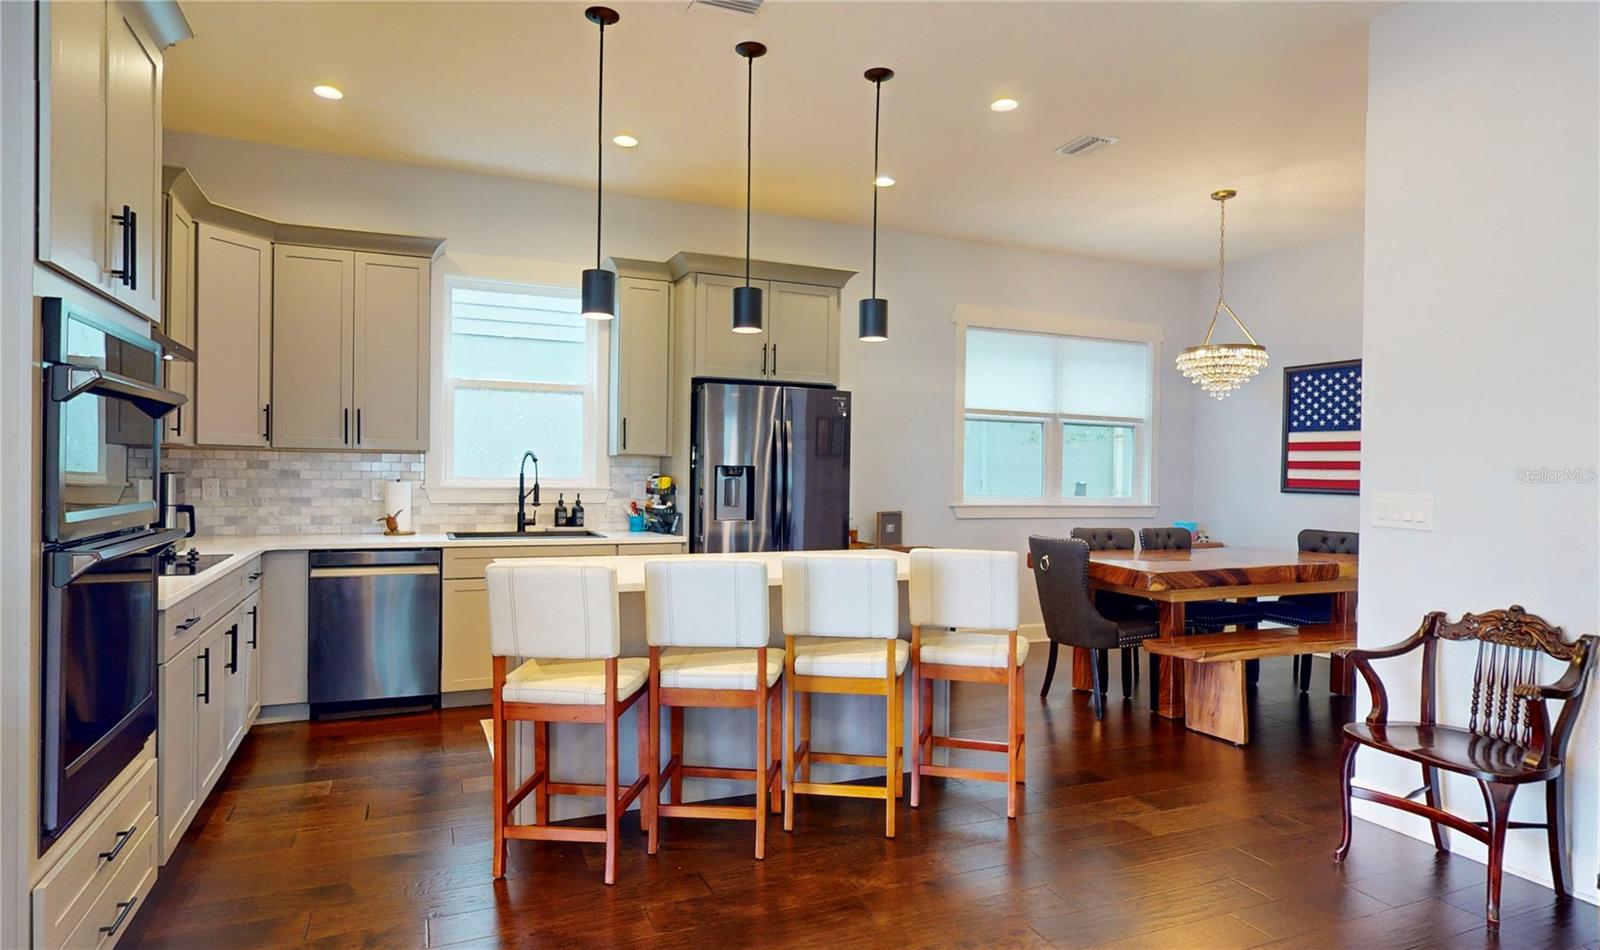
(677, 755)
(761, 754)
(788, 753)
(918, 717)
(775, 748)
(611, 770)
(805, 735)
(899, 737)
(645, 714)
(889, 739)
(1013, 686)
(499, 780)
(541, 763)
(652, 794)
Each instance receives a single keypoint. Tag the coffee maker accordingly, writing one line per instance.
(170, 509)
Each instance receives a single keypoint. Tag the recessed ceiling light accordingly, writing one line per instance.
(626, 141)
(883, 181)
(327, 92)
(1003, 105)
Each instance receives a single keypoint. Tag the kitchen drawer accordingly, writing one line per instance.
(71, 893)
(181, 624)
(469, 563)
(627, 550)
(113, 912)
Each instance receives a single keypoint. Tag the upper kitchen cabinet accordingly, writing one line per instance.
(803, 323)
(313, 321)
(391, 352)
(233, 319)
(641, 364)
(99, 187)
(178, 308)
(718, 350)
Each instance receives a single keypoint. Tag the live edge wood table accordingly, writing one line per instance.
(1214, 690)
(1174, 578)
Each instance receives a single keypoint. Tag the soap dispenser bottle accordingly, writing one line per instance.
(561, 511)
(576, 518)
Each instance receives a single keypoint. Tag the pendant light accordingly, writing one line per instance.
(747, 299)
(599, 284)
(1220, 368)
(874, 319)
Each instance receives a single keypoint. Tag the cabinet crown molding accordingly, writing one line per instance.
(684, 263)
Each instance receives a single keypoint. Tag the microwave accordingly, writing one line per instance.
(103, 401)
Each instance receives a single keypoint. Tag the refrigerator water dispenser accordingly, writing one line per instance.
(733, 494)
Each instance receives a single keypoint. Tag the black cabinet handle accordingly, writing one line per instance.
(254, 577)
(358, 427)
(123, 837)
(232, 666)
(267, 411)
(346, 439)
(774, 357)
(624, 431)
(763, 359)
(254, 623)
(188, 623)
(130, 245)
(177, 425)
(124, 908)
(205, 660)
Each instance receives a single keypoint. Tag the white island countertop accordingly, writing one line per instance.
(630, 569)
(241, 548)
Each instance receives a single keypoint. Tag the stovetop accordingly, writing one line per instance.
(174, 564)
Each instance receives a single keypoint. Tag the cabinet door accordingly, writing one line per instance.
(283, 628)
(178, 425)
(464, 660)
(641, 365)
(391, 353)
(250, 655)
(177, 302)
(73, 220)
(313, 328)
(176, 745)
(210, 743)
(718, 350)
(233, 327)
(803, 322)
(133, 162)
(235, 682)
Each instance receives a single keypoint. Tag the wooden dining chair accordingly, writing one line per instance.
(566, 619)
(1309, 610)
(1508, 740)
(706, 623)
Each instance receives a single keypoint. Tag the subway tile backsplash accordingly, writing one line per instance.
(281, 492)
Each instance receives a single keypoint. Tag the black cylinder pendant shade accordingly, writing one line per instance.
(874, 326)
(599, 294)
(747, 309)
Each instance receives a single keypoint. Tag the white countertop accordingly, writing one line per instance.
(241, 548)
(630, 570)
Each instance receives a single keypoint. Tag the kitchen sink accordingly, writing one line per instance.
(532, 534)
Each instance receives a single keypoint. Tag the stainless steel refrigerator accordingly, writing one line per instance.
(770, 468)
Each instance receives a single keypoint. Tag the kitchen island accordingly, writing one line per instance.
(715, 737)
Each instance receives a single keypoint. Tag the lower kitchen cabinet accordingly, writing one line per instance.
(464, 659)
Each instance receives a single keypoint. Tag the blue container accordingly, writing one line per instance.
(635, 522)
(1193, 526)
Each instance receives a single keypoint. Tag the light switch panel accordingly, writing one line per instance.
(211, 489)
(1402, 511)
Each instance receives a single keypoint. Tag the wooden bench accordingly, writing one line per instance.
(1214, 679)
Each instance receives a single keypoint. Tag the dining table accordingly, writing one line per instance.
(1173, 579)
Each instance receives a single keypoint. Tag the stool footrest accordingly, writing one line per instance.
(708, 771)
(950, 771)
(845, 758)
(726, 812)
(574, 788)
(555, 833)
(841, 791)
(980, 745)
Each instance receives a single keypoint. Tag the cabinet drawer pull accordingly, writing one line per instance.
(123, 837)
(124, 908)
(188, 623)
(255, 576)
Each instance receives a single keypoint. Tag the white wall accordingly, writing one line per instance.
(903, 439)
(1304, 305)
(1480, 342)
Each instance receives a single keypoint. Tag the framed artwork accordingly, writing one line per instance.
(889, 529)
(1322, 428)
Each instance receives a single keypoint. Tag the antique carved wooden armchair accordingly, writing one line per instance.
(1508, 741)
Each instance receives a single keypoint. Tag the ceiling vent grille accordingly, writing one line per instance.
(740, 7)
(1084, 144)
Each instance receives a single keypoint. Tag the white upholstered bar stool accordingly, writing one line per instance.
(565, 620)
(841, 624)
(707, 625)
(964, 627)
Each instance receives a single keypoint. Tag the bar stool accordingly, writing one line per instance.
(707, 625)
(565, 617)
(971, 598)
(841, 626)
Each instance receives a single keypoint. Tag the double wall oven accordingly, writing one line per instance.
(103, 401)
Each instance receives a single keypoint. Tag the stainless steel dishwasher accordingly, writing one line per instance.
(374, 637)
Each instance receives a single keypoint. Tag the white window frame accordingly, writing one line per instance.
(493, 274)
(1143, 504)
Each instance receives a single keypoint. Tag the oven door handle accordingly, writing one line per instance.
(68, 564)
(70, 379)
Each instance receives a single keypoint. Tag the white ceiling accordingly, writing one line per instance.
(1268, 98)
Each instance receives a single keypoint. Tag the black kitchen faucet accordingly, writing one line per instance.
(523, 521)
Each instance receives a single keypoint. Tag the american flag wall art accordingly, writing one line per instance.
(1322, 428)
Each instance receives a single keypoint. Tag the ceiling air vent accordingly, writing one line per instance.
(1084, 144)
(741, 7)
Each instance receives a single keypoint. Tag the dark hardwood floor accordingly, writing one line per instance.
(1133, 833)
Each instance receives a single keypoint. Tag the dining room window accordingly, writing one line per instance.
(521, 372)
(1054, 418)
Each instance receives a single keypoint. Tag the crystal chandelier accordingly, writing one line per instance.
(1220, 368)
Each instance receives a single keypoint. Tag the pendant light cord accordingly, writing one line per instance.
(1222, 247)
(749, 148)
(599, 147)
(877, 113)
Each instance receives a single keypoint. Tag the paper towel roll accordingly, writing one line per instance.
(397, 497)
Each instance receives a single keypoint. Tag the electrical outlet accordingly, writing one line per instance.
(211, 489)
(1402, 511)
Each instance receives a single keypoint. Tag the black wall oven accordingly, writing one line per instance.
(103, 401)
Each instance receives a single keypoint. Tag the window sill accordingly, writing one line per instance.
(507, 494)
(1076, 511)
